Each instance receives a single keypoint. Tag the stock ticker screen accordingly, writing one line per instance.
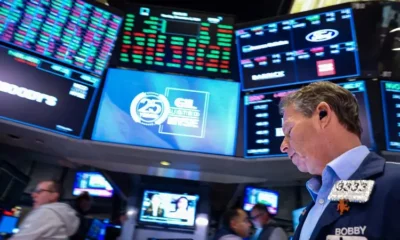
(169, 40)
(44, 94)
(263, 121)
(391, 113)
(73, 32)
(316, 47)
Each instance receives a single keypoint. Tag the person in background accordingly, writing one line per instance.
(323, 138)
(262, 219)
(49, 218)
(155, 208)
(82, 205)
(235, 226)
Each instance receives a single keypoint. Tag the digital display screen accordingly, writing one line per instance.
(70, 31)
(266, 197)
(168, 208)
(296, 217)
(391, 113)
(263, 121)
(44, 94)
(168, 111)
(8, 224)
(318, 47)
(169, 40)
(92, 182)
(96, 230)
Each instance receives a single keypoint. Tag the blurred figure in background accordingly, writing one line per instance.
(235, 226)
(49, 219)
(82, 205)
(262, 219)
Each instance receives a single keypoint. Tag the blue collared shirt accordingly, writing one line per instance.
(341, 168)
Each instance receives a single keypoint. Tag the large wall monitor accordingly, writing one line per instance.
(391, 113)
(319, 46)
(173, 40)
(168, 111)
(263, 122)
(73, 32)
(44, 94)
(52, 57)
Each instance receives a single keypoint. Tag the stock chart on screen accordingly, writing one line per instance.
(391, 106)
(169, 40)
(263, 121)
(73, 32)
(319, 46)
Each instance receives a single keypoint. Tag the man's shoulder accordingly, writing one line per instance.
(230, 237)
(391, 173)
(386, 183)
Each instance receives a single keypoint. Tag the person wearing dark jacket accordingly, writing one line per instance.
(82, 206)
(262, 219)
(355, 193)
(235, 226)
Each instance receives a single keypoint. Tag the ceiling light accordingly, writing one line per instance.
(165, 163)
(396, 49)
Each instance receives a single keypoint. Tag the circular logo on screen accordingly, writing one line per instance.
(322, 35)
(149, 108)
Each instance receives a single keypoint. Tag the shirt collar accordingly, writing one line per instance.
(348, 163)
(343, 166)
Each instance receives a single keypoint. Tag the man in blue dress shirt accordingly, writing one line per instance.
(322, 137)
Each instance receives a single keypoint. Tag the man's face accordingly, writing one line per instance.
(303, 142)
(44, 194)
(241, 225)
(257, 218)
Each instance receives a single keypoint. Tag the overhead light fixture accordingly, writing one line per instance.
(396, 49)
(165, 163)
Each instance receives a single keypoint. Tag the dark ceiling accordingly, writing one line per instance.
(244, 11)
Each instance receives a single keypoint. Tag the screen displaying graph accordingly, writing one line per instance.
(71, 31)
(170, 40)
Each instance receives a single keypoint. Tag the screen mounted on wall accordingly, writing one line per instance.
(45, 94)
(168, 111)
(266, 197)
(92, 182)
(391, 113)
(168, 208)
(172, 40)
(320, 46)
(73, 32)
(263, 121)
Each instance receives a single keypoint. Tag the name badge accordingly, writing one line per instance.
(357, 191)
(334, 237)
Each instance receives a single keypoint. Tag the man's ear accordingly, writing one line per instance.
(324, 114)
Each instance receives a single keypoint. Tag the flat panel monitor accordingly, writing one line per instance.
(45, 94)
(391, 113)
(92, 182)
(73, 32)
(96, 230)
(8, 224)
(169, 209)
(296, 217)
(180, 41)
(266, 197)
(263, 121)
(168, 111)
(319, 46)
